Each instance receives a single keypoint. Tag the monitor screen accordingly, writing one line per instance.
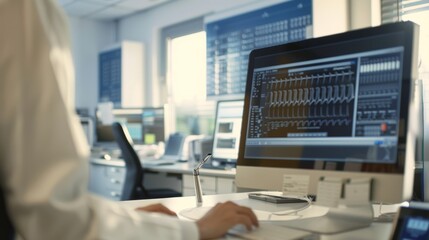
(145, 125)
(227, 131)
(331, 106)
(174, 145)
(153, 125)
(412, 223)
(132, 119)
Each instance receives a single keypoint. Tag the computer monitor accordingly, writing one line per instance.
(154, 127)
(174, 147)
(132, 118)
(226, 137)
(335, 106)
(145, 125)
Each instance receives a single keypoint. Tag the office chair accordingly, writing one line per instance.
(133, 186)
(6, 228)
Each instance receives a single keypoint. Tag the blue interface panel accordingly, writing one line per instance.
(415, 228)
(110, 86)
(412, 223)
(230, 40)
(339, 108)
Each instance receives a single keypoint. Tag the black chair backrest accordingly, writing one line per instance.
(133, 186)
(6, 228)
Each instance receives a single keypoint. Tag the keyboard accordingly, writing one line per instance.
(267, 230)
(271, 231)
(158, 162)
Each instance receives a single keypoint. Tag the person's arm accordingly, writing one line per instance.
(43, 151)
(224, 216)
(218, 220)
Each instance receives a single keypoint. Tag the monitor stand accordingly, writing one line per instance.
(341, 219)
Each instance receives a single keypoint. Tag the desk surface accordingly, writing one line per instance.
(179, 168)
(375, 231)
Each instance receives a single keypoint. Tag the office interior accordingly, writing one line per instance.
(189, 110)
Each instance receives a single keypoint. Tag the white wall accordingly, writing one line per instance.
(88, 37)
(146, 27)
(364, 13)
(330, 17)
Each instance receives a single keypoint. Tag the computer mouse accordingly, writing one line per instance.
(106, 157)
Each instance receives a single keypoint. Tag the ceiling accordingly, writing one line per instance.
(107, 9)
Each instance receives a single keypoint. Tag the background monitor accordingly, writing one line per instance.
(226, 137)
(174, 147)
(145, 125)
(133, 120)
(153, 120)
(336, 106)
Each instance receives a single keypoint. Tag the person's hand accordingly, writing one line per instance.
(224, 216)
(158, 208)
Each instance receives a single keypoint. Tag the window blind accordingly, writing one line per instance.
(393, 10)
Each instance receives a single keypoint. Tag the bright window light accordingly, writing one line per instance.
(187, 84)
(188, 68)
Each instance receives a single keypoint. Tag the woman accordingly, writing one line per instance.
(43, 158)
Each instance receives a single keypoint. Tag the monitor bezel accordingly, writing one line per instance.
(106, 128)
(401, 167)
(221, 160)
(164, 118)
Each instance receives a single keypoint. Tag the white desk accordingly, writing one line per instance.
(180, 168)
(107, 178)
(377, 231)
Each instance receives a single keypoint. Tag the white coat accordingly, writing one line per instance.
(43, 151)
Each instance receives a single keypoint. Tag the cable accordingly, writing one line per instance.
(287, 212)
(384, 217)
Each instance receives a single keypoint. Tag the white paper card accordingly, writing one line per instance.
(357, 191)
(295, 185)
(329, 192)
(106, 112)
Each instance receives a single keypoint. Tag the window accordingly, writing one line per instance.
(187, 84)
(183, 65)
(418, 12)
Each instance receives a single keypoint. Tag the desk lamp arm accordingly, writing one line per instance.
(197, 183)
